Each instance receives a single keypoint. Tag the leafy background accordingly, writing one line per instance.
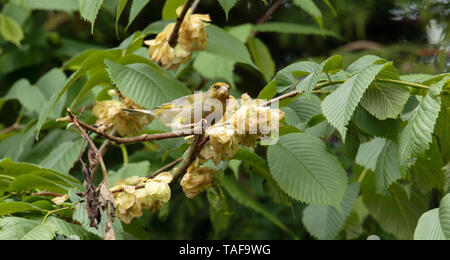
(52, 56)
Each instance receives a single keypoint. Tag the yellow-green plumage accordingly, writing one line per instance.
(182, 111)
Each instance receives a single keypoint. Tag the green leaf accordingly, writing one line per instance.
(368, 153)
(269, 91)
(80, 215)
(242, 32)
(427, 171)
(98, 78)
(120, 7)
(30, 97)
(429, 227)
(156, 27)
(301, 109)
(306, 107)
(388, 168)
(136, 8)
(290, 76)
(262, 58)
(305, 170)
(311, 8)
(10, 30)
(353, 226)
(69, 229)
(14, 170)
(292, 119)
(89, 10)
(220, 221)
(418, 78)
(19, 13)
(58, 5)
(12, 207)
(63, 157)
(416, 137)
(51, 82)
(239, 194)
(226, 46)
(330, 6)
(144, 84)
(399, 213)
(206, 64)
(325, 222)
(444, 215)
(384, 100)
(94, 60)
(35, 180)
(259, 166)
(443, 126)
(446, 170)
(13, 228)
(373, 126)
(170, 8)
(75, 62)
(332, 65)
(362, 63)
(281, 27)
(353, 142)
(227, 5)
(338, 107)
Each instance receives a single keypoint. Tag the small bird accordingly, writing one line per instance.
(189, 110)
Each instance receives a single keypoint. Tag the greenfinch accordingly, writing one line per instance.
(189, 110)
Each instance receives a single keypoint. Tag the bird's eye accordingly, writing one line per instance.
(216, 86)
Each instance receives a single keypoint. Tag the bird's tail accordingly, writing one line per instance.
(139, 112)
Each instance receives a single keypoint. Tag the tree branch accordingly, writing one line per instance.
(191, 155)
(141, 138)
(166, 167)
(103, 148)
(194, 149)
(106, 197)
(173, 38)
(268, 13)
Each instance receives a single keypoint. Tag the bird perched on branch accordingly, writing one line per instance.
(189, 110)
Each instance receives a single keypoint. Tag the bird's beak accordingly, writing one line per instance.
(223, 91)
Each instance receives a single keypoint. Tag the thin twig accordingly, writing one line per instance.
(141, 138)
(363, 174)
(194, 6)
(106, 196)
(268, 13)
(166, 167)
(277, 99)
(54, 211)
(173, 38)
(13, 127)
(10, 129)
(90, 142)
(191, 155)
(103, 149)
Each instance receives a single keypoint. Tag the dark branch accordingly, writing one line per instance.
(166, 167)
(173, 38)
(268, 13)
(141, 138)
(105, 196)
(277, 99)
